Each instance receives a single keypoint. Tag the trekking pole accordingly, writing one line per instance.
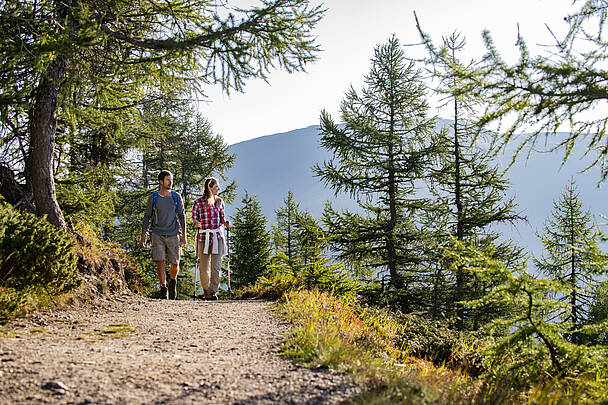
(228, 254)
(196, 265)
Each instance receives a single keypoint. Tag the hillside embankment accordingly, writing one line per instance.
(132, 350)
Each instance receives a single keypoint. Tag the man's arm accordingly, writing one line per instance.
(143, 238)
(181, 216)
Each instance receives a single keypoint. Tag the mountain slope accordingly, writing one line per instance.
(269, 166)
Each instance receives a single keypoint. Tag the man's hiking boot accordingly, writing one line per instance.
(163, 292)
(172, 289)
(210, 297)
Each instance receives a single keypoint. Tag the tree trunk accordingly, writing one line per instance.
(459, 222)
(43, 127)
(13, 192)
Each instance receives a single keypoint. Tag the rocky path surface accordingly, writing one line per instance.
(132, 350)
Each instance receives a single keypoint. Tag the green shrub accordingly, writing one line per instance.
(35, 253)
(440, 343)
(321, 275)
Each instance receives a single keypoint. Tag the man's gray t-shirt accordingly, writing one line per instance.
(163, 218)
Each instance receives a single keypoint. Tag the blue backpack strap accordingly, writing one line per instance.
(174, 195)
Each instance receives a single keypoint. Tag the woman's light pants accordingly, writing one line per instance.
(210, 266)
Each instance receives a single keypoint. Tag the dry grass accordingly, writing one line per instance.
(328, 332)
(336, 333)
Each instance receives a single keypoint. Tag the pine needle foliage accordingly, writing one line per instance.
(572, 258)
(249, 243)
(377, 157)
(538, 94)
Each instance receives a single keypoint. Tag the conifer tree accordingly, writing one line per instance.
(528, 344)
(99, 56)
(379, 154)
(310, 238)
(537, 94)
(469, 189)
(249, 243)
(572, 257)
(284, 232)
(598, 313)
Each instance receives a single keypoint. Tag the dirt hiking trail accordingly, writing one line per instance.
(133, 350)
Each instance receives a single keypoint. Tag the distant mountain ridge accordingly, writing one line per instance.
(269, 166)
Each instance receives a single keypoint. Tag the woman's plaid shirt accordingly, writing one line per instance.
(210, 218)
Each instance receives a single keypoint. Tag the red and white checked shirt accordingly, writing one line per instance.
(210, 218)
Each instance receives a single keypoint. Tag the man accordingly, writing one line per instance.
(167, 222)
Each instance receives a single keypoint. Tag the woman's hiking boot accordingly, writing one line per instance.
(172, 289)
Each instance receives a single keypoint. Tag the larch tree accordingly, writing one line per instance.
(284, 232)
(249, 243)
(469, 187)
(126, 54)
(572, 258)
(379, 154)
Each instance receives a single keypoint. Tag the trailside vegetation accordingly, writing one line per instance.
(380, 156)
(35, 259)
(249, 243)
(91, 63)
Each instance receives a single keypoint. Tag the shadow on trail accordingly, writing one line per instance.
(290, 393)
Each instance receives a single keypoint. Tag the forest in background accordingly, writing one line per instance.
(97, 98)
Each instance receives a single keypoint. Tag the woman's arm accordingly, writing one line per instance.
(196, 213)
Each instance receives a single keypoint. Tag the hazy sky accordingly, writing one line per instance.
(348, 34)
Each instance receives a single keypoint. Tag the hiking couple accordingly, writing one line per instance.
(167, 222)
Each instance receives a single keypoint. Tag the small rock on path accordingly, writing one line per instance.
(132, 350)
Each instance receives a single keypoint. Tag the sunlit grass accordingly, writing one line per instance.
(113, 330)
(364, 343)
(329, 332)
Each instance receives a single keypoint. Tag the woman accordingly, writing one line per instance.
(209, 217)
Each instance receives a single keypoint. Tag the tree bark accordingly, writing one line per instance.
(43, 128)
(13, 192)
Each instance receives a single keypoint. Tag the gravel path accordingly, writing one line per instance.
(132, 350)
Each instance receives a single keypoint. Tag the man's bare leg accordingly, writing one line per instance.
(162, 279)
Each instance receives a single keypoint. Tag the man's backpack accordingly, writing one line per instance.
(155, 199)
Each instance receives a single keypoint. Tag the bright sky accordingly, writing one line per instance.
(348, 34)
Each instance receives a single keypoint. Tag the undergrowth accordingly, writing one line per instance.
(42, 266)
(406, 359)
(332, 332)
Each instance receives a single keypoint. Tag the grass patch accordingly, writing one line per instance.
(331, 332)
(15, 302)
(113, 330)
(6, 333)
(382, 352)
(117, 330)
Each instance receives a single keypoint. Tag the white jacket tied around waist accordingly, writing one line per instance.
(217, 234)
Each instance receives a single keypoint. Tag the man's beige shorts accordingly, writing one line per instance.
(166, 247)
